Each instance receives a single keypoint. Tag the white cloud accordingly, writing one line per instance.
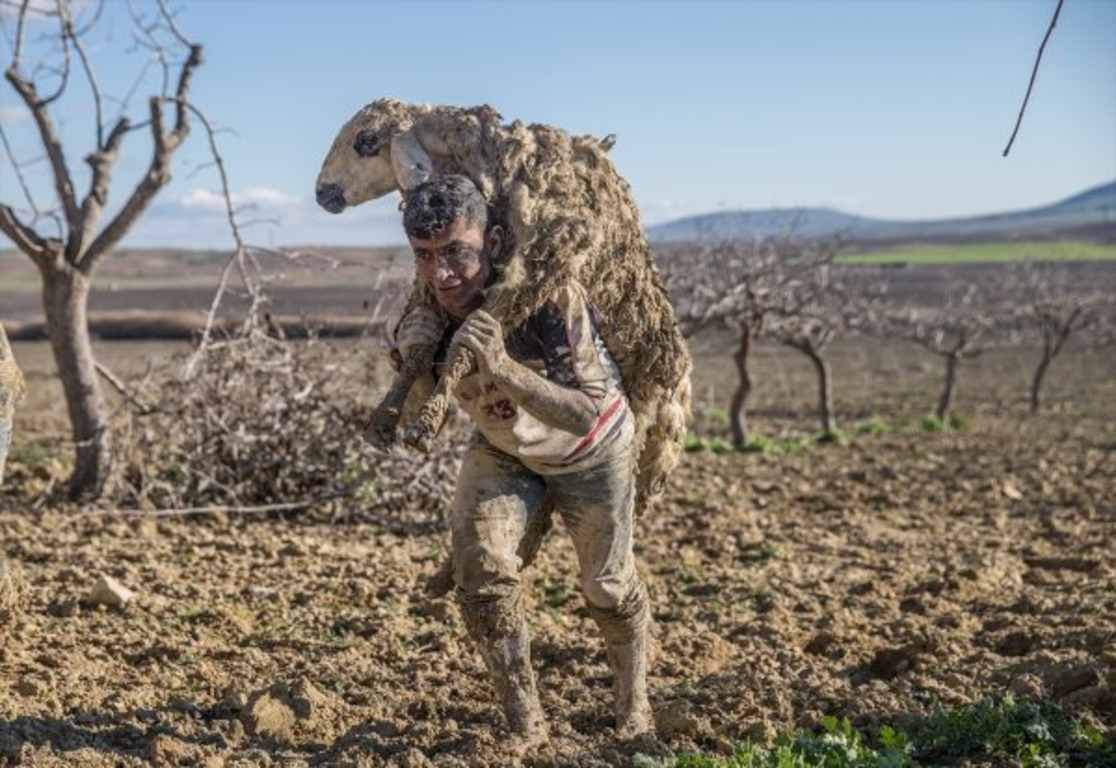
(37, 10)
(264, 196)
(11, 114)
(196, 219)
(660, 211)
(256, 197)
(203, 199)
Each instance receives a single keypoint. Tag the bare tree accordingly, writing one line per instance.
(954, 331)
(730, 285)
(67, 239)
(1103, 331)
(1053, 310)
(813, 308)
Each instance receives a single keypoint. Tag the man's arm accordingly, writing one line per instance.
(562, 407)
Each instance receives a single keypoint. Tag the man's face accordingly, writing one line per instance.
(456, 263)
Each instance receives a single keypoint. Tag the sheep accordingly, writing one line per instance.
(12, 390)
(568, 214)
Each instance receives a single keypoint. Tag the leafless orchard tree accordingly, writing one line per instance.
(815, 305)
(955, 331)
(1051, 309)
(1104, 330)
(732, 285)
(68, 237)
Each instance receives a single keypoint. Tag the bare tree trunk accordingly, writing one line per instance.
(65, 300)
(945, 401)
(825, 389)
(1040, 375)
(738, 417)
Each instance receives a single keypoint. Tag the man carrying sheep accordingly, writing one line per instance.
(551, 418)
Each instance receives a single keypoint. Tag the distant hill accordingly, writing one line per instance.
(1090, 214)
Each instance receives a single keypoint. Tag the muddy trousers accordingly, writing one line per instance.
(495, 496)
(626, 633)
(505, 645)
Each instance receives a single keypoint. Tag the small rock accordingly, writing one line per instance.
(822, 644)
(891, 662)
(62, 608)
(306, 700)
(1074, 679)
(761, 732)
(1017, 643)
(1027, 686)
(167, 750)
(678, 718)
(441, 611)
(414, 758)
(1098, 697)
(29, 687)
(14, 593)
(269, 716)
(384, 729)
(276, 712)
(110, 592)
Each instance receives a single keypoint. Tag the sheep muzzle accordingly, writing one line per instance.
(331, 197)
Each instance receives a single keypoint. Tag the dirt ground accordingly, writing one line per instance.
(900, 572)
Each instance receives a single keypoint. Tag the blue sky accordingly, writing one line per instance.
(885, 108)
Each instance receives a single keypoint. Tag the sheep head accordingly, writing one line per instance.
(376, 152)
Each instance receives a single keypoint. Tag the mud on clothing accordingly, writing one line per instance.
(513, 459)
(512, 463)
(560, 342)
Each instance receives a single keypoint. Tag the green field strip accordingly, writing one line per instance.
(987, 253)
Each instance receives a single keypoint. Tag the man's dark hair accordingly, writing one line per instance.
(438, 202)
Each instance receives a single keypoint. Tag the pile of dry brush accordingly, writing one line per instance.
(266, 424)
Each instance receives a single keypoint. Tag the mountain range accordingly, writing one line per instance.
(1088, 215)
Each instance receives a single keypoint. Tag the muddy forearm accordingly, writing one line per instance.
(553, 404)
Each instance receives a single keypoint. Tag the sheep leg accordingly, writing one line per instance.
(380, 430)
(421, 433)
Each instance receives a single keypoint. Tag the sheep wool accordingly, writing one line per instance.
(12, 387)
(568, 215)
(12, 390)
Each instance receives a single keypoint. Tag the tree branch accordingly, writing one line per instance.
(158, 172)
(102, 162)
(25, 238)
(143, 408)
(1034, 74)
(63, 183)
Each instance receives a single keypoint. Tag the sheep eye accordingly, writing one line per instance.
(367, 144)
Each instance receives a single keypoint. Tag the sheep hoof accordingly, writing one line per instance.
(419, 437)
(380, 431)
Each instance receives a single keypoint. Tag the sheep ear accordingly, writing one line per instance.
(409, 160)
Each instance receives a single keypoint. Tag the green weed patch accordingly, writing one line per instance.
(1026, 733)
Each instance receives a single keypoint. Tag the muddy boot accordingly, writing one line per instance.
(505, 646)
(628, 661)
(627, 634)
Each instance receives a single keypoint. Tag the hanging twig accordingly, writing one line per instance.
(143, 408)
(1034, 73)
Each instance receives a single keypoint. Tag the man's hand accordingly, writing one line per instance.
(420, 327)
(483, 335)
(563, 407)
